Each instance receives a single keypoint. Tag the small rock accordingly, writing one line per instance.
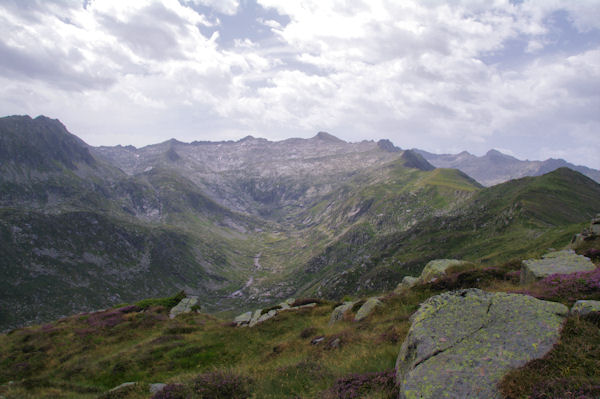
(335, 343)
(244, 318)
(407, 282)
(437, 268)
(338, 312)
(255, 317)
(367, 308)
(267, 316)
(123, 385)
(184, 306)
(317, 340)
(157, 387)
(584, 307)
(559, 262)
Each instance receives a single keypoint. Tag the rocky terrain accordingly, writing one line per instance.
(248, 223)
(495, 167)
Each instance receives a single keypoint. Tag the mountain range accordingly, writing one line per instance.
(495, 167)
(251, 221)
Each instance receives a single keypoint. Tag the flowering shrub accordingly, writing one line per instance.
(355, 386)
(222, 385)
(172, 391)
(592, 253)
(568, 286)
(110, 318)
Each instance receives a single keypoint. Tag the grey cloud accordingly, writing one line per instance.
(150, 33)
(54, 67)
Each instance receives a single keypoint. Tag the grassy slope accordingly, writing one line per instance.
(98, 351)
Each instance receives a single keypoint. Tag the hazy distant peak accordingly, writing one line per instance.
(387, 145)
(328, 137)
(415, 160)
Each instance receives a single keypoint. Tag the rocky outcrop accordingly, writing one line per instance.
(587, 234)
(461, 343)
(184, 306)
(432, 270)
(250, 319)
(584, 307)
(367, 308)
(559, 262)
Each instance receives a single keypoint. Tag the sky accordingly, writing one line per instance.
(522, 76)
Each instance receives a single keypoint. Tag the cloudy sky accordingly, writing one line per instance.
(519, 76)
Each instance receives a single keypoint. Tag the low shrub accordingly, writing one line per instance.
(222, 385)
(168, 302)
(356, 386)
(173, 391)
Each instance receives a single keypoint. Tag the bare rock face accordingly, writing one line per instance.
(562, 262)
(461, 343)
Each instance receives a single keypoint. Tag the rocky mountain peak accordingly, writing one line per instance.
(387, 145)
(328, 137)
(416, 161)
(41, 143)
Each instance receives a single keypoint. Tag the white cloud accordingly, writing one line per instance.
(227, 7)
(417, 72)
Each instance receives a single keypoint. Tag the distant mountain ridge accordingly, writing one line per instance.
(495, 167)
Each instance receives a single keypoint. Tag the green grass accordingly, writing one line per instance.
(85, 355)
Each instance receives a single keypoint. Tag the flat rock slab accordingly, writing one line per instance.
(244, 318)
(582, 307)
(559, 262)
(184, 306)
(461, 343)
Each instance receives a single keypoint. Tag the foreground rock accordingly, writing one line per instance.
(584, 307)
(461, 343)
(184, 306)
(559, 262)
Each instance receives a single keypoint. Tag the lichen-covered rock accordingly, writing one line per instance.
(559, 262)
(338, 312)
(437, 268)
(184, 306)
(582, 307)
(407, 282)
(461, 343)
(367, 308)
(244, 318)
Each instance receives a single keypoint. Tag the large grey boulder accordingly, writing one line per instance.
(562, 262)
(184, 306)
(338, 312)
(461, 343)
(584, 307)
(367, 308)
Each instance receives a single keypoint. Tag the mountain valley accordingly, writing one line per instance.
(248, 222)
